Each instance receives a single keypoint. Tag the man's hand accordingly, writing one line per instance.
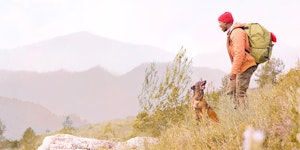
(232, 76)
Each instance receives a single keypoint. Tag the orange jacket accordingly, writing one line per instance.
(237, 43)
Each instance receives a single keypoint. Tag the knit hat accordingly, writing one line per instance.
(226, 17)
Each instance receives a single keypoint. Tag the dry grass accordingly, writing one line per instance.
(274, 115)
(272, 109)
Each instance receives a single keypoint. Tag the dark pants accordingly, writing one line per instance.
(237, 88)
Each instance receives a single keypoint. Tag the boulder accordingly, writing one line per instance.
(70, 142)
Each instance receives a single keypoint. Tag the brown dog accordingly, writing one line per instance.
(199, 105)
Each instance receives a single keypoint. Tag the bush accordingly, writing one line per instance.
(164, 102)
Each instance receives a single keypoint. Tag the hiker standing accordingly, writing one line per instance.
(243, 64)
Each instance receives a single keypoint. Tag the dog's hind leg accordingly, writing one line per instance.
(212, 114)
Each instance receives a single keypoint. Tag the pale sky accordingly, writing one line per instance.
(167, 24)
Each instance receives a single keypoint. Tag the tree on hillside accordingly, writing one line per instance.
(298, 64)
(2, 129)
(108, 131)
(224, 83)
(164, 100)
(68, 123)
(28, 139)
(5, 143)
(267, 73)
(67, 126)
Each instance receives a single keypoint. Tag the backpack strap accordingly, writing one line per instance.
(229, 33)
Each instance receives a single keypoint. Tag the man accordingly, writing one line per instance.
(243, 64)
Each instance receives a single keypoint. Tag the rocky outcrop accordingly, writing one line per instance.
(70, 142)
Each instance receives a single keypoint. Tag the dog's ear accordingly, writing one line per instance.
(193, 87)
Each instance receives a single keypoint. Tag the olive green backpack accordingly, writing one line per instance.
(260, 42)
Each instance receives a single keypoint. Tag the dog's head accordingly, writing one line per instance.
(198, 89)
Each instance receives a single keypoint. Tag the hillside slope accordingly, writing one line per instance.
(18, 115)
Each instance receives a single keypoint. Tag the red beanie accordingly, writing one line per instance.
(226, 17)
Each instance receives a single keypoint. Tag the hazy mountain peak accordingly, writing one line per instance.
(78, 52)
